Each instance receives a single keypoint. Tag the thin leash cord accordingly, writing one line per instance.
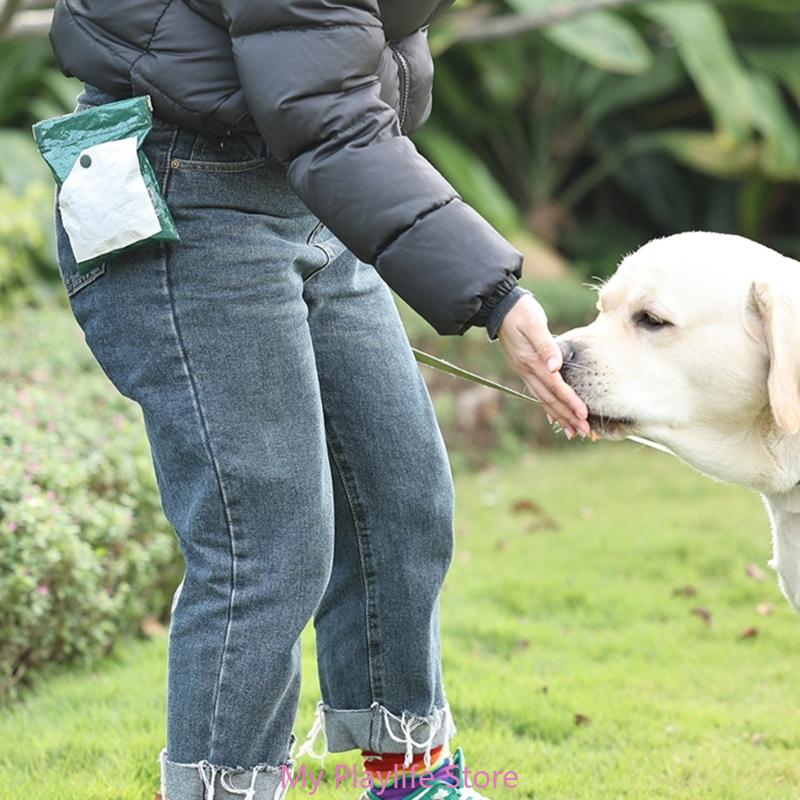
(459, 372)
(451, 369)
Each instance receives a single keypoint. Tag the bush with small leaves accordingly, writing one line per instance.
(85, 550)
(24, 244)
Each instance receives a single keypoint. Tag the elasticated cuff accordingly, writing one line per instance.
(481, 317)
(498, 313)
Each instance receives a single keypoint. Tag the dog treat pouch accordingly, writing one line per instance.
(109, 196)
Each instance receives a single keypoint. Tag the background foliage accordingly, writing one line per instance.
(609, 128)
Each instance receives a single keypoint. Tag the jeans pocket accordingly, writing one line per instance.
(322, 237)
(323, 240)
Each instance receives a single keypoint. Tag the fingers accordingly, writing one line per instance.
(547, 350)
(564, 394)
(556, 408)
(545, 367)
(537, 359)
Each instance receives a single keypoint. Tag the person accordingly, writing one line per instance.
(294, 444)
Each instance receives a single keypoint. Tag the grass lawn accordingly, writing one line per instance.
(560, 602)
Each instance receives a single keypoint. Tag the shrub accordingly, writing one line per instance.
(85, 551)
(24, 243)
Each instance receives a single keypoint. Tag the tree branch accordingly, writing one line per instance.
(7, 10)
(27, 23)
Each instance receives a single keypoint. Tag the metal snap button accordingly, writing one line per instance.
(86, 160)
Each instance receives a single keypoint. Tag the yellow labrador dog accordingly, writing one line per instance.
(696, 348)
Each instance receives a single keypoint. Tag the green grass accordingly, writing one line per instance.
(546, 614)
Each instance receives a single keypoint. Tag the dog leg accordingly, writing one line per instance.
(784, 512)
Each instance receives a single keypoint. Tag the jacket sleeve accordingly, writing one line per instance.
(308, 69)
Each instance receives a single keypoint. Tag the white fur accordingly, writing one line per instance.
(720, 387)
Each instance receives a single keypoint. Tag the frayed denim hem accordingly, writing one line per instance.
(379, 730)
(205, 781)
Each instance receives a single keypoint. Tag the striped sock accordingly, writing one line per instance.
(392, 781)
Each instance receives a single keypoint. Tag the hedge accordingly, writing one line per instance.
(85, 551)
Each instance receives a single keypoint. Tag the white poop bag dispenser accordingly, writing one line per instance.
(109, 196)
(104, 201)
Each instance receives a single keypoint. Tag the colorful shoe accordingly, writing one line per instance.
(448, 783)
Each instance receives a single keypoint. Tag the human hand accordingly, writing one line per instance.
(536, 358)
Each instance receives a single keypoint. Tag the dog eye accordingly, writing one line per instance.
(646, 319)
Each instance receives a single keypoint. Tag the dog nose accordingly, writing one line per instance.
(568, 350)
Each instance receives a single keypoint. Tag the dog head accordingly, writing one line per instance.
(696, 347)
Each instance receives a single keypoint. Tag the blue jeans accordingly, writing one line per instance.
(298, 459)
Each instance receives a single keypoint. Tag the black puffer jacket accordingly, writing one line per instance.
(332, 86)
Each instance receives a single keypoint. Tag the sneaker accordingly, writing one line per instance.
(438, 789)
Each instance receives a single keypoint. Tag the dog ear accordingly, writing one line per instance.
(779, 310)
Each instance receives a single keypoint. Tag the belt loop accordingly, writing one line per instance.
(169, 154)
(198, 146)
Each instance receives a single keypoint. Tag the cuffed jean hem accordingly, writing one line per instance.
(379, 730)
(205, 781)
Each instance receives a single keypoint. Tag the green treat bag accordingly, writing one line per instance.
(109, 197)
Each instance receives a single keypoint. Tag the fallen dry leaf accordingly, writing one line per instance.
(749, 633)
(758, 738)
(684, 591)
(582, 719)
(756, 573)
(703, 613)
(765, 609)
(502, 545)
(524, 644)
(526, 506)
